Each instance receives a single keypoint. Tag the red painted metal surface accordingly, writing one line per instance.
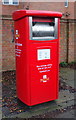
(22, 13)
(32, 88)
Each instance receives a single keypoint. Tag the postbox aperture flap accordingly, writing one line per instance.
(43, 28)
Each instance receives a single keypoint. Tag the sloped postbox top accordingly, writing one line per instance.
(22, 13)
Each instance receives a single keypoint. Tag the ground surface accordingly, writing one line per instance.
(64, 107)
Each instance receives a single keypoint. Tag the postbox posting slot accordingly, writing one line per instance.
(43, 28)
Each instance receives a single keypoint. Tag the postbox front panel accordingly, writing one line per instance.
(43, 72)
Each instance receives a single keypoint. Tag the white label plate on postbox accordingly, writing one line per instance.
(43, 54)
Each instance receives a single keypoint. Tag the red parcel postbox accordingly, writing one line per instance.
(37, 55)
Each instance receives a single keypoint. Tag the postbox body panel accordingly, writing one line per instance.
(44, 73)
(37, 64)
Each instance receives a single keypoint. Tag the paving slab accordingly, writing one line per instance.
(65, 95)
(66, 99)
(67, 114)
(68, 76)
(34, 111)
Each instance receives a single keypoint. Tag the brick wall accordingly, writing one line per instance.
(67, 40)
(0, 46)
(8, 48)
(71, 40)
(50, 6)
(63, 41)
(67, 34)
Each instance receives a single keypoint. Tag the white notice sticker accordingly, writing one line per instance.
(43, 54)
